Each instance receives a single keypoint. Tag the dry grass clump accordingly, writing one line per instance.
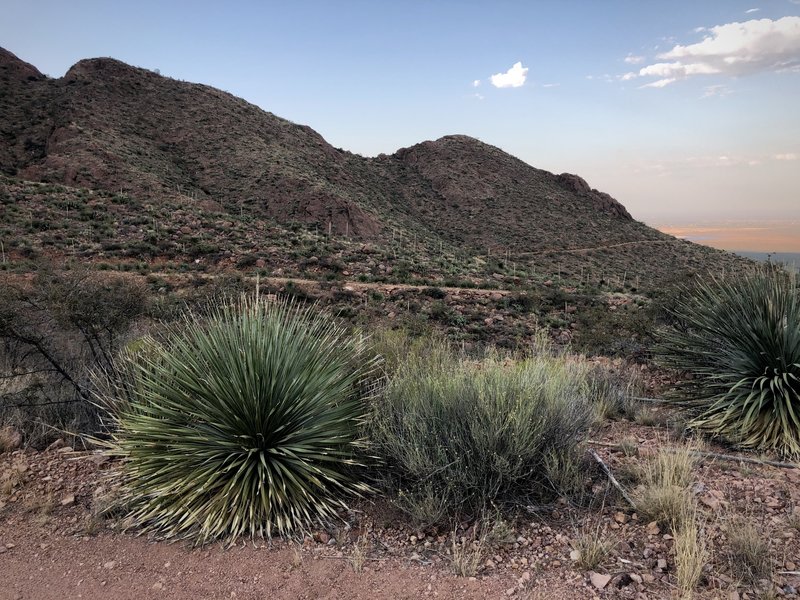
(691, 553)
(593, 546)
(664, 492)
(359, 554)
(748, 551)
(466, 555)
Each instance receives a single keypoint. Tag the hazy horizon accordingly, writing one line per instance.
(740, 236)
(684, 112)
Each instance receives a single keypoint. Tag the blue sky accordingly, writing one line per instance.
(669, 106)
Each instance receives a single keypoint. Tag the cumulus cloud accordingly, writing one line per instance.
(514, 77)
(476, 83)
(632, 59)
(732, 49)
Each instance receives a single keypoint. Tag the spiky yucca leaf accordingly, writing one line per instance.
(244, 422)
(739, 339)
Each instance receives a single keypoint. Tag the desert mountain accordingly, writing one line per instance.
(107, 126)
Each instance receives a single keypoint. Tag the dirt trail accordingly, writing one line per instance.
(41, 566)
(579, 250)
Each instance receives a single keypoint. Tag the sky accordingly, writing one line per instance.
(687, 112)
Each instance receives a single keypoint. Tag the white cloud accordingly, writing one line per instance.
(660, 83)
(476, 83)
(787, 156)
(634, 60)
(716, 90)
(732, 49)
(751, 11)
(514, 77)
(550, 85)
(628, 76)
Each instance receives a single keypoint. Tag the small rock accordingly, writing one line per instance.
(59, 443)
(713, 499)
(599, 580)
(68, 500)
(621, 517)
(11, 438)
(3, 549)
(158, 585)
(635, 577)
(511, 591)
(662, 564)
(653, 528)
(575, 555)
(110, 565)
(99, 459)
(322, 537)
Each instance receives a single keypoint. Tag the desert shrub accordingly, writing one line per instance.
(240, 423)
(456, 436)
(434, 292)
(395, 347)
(614, 389)
(53, 331)
(739, 341)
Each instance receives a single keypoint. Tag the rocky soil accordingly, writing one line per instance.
(55, 542)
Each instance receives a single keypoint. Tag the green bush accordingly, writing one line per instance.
(738, 339)
(242, 423)
(458, 436)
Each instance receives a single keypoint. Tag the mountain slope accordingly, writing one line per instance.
(109, 126)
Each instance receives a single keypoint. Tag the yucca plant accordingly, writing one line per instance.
(244, 422)
(738, 338)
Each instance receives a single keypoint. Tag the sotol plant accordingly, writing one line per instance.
(241, 423)
(739, 339)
